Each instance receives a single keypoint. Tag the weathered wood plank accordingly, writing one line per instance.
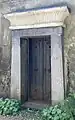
(47, 67)
(24, 69)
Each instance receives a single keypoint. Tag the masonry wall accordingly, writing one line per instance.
(7, 6)
(69, 45)
(5, 59)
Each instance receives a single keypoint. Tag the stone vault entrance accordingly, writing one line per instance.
(41, 25)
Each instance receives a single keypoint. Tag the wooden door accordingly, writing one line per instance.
(39, 68)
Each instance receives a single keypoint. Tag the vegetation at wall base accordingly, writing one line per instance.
(9, 106)
(62, 111)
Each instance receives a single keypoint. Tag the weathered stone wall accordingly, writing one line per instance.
(69, 40)
(4, 57)
(19, 5)
(7, 6)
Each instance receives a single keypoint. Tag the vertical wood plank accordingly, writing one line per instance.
(41, 67)
(24, 69)
(47, 67)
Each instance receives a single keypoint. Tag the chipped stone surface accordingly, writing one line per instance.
(56, 68)
(20, 5)
(69, 44)
(4, 58)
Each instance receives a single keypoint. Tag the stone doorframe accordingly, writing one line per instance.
(57, 81)
(43, 22)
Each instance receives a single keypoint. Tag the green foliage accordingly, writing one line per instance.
(63, 111)
(69, 105)
(9, 106)
(55, 113)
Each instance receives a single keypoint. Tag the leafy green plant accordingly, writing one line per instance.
(62, 111)
(69, 105)
(9, 106)
(55, 113)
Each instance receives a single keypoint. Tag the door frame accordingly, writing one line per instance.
(56, 44)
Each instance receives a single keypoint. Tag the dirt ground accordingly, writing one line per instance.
(22, 116)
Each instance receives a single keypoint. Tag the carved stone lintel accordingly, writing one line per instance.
(38, 18)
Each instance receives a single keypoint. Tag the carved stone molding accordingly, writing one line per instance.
(48, 17)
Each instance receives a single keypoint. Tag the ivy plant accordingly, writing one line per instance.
(62, 111)
(9, 106)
